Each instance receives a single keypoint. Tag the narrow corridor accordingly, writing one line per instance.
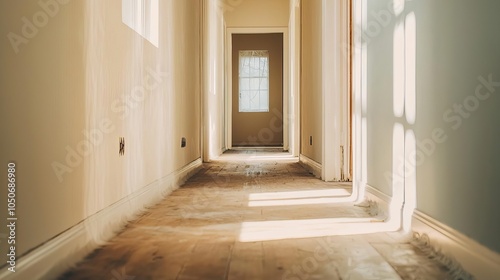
(257, 215)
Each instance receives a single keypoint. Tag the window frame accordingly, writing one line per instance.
(260, 90)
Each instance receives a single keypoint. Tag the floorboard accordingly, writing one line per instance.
(257, 215)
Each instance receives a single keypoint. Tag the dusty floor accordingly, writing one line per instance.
(257, 215)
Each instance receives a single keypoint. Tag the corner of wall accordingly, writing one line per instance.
(54, 257)
(475, 258)
(310, 165)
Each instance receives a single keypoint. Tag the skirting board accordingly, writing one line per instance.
(54, 257)
(311, 165)
(383, 201)
(475, 258)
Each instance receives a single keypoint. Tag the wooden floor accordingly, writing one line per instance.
(258, 215)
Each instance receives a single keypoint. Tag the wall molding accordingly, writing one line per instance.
(54, 257)
(311, 165)
(382, 200)
(475, 258)
(335, 93)
(287, 110)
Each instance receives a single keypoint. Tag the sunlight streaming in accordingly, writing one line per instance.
(308, 201)
(399, 70)
(410, 195)
(398, 157)
(299, 194)
(300, 198)
(143, 17)
(398, 6)
(261, 156)
(289, 229)
(410, 68)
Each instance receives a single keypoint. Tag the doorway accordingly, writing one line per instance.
(257, 90)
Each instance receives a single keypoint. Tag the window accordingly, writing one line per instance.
(254, 81)
(142, 16)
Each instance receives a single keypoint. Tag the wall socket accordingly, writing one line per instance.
(183, 142)
(121, 150)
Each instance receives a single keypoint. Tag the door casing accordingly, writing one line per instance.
(229, 84)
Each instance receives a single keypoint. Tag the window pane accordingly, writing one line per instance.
(254, 81)
(244, 84)
(254, 100)
(244, 102)
(264, 84)
(264, 101)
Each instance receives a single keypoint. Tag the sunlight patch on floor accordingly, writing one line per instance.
(299, 194)
(257, 155)
(291, 229)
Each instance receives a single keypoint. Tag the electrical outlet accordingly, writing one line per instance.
(121, 150)
(183, 142)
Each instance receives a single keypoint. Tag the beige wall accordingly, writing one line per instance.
(256, 13)
(311, 80)
(86, 70)
(259, 128)
(42, 110)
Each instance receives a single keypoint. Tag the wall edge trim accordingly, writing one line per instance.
(57, 255)
(311, 165)
(475, 258)
(383, 200)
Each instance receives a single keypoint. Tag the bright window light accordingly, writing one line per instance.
(142, 16)
(254, 81)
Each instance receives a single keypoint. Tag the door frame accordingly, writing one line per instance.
(229, 81)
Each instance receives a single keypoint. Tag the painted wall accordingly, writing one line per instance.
(42, 111)
(256, 13)
(311, 80)
(259, 128)
(84, 72)
(456, 123)
(213, 79)
(294, 31)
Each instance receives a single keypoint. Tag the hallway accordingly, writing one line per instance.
(257, 215)
(126, 111)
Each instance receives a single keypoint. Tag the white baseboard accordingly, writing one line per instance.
(382, 200)
(251, 148)
(475, 258)
(311, 165)
(57, 255)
